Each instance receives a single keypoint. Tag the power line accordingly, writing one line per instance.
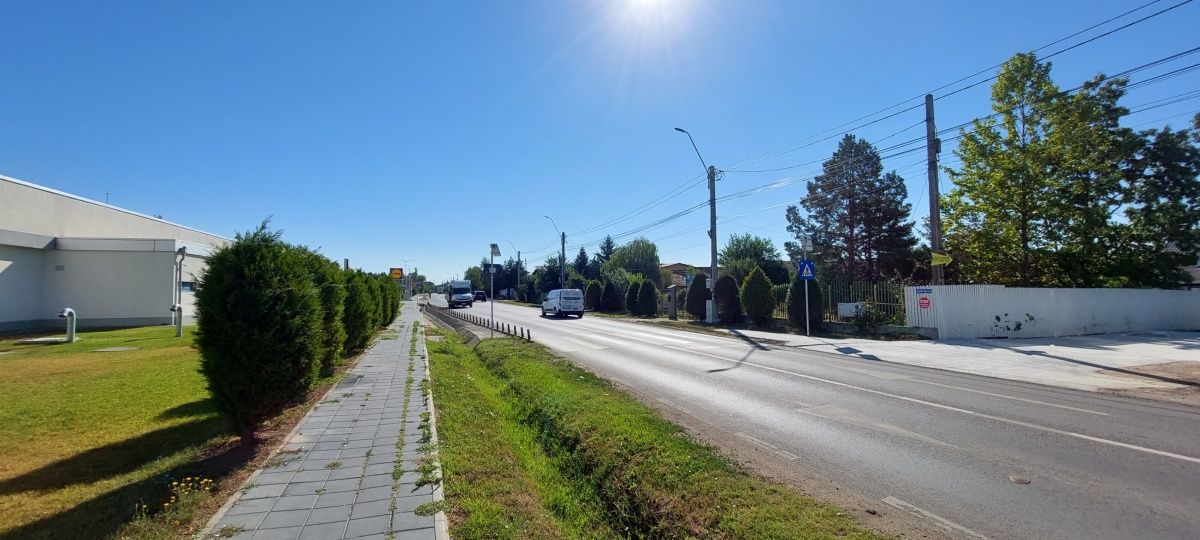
(771, 154)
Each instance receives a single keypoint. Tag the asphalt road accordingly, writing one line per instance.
(950, 451)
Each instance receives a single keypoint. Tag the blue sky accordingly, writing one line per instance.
(383, 131)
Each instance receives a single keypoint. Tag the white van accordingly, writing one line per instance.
(562, 302)
(459, 294)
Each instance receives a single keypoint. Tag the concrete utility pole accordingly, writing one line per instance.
(710, 306)
(933, 146)
(562, 260)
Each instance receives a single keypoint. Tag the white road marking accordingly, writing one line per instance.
(583, 343)
(656, 336)
(981, 415)
(940, 521)
(768, 446)
(940, 406)
(1014, 398)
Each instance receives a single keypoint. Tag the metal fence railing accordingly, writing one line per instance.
(886, 296)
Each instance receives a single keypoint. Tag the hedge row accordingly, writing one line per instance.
(272, 317)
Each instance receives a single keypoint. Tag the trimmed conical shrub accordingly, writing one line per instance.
(729, 306)
(631, 297)
(610, 301)
(259, 331)
(758, 301)
(647, 299)
(795, 303)
(359, 313)
(330, 282)
(593, 295)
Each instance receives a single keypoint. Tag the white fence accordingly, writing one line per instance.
(981, 311)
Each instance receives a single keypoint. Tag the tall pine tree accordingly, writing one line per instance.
(856, 215)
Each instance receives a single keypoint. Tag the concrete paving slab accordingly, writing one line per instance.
(332, 478)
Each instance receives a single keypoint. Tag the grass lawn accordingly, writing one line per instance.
(85, 436)
(532, 444)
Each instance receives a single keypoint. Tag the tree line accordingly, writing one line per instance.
(1051, 192)
(272, 318)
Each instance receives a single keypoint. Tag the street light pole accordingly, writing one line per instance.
(710, 306)
(562, 260)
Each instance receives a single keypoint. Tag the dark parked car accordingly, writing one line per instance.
(481, 296)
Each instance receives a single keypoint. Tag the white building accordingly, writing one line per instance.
(114, 267)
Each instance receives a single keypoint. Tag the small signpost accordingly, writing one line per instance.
(940, 259)
(396, 273)
(492, 301)
(807, 270)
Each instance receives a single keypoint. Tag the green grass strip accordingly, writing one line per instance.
(654, 479)
(498, 482)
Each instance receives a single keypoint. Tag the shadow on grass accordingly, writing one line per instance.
(200, 407)
(102, 516)
(115, 459)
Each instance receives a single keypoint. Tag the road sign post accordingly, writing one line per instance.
(492, 300)
(806, 272)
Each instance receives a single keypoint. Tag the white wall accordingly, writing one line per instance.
(980, 311)
(118, 287)
(34, 209)
(21, 284)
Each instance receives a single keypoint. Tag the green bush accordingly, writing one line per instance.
(610, 301)
(738, 269)
(757, 299)
(591, 297)
(729, 306)
(359, 311)
(375, 288)
(647, 299)
(795, 303)
(631, 297)
(331, 286)
(697, 297)
(259, 332)
(868, 318)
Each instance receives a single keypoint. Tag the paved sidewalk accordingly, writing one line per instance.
(1164, 360)
(349, 468)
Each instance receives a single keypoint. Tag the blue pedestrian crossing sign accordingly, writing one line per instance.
(807, 269)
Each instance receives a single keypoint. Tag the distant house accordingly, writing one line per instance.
(680, 271)
(1194, 271)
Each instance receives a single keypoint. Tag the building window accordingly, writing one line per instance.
(187, 286)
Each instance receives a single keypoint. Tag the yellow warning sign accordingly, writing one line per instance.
(940, 259)
(397, 273)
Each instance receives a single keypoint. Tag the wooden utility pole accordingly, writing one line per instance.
(933, 146)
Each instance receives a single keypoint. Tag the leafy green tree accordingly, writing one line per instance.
(748, 246)
(856, 215)
(697, 297)
(474, 274)
(729, 305)
(1162, 212)
(758, 301)
(647, 299)
(639, 256)
(259, 330)
(738, 269)
(593, 294)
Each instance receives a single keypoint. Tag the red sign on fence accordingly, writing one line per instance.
(923, 302)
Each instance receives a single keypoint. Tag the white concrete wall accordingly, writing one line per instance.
(21, 273)
(981, 311)
(34, 209)
(111, 288)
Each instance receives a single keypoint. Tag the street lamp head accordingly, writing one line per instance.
(681, 130)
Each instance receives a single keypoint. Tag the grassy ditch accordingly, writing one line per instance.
(534, 444)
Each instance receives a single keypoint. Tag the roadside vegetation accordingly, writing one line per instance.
(145, 442)
(533, 447)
